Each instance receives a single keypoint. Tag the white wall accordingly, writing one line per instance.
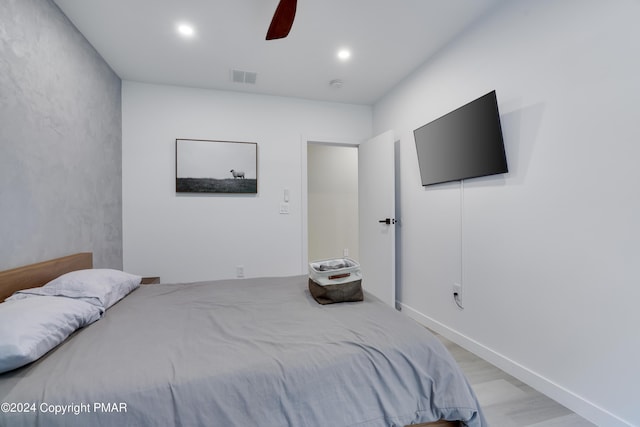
(549, 252)
(332, 173)
(200, 237)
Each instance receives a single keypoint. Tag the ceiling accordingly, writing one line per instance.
(388, 39)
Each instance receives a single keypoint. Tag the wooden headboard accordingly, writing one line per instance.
(34, 275)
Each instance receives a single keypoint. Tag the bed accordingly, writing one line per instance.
(242, 352)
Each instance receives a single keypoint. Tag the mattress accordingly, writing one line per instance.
(250, 352)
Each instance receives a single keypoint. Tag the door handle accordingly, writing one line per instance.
(387, 221)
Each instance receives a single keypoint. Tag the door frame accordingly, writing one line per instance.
(304, 199)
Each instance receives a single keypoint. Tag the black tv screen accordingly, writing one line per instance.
(465, 143)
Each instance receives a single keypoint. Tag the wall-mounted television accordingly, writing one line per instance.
(465, 143)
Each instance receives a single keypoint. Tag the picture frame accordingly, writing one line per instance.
(213, 166)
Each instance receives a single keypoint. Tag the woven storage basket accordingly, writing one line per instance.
(335, 280)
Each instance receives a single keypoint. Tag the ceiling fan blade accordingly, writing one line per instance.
(282, 20)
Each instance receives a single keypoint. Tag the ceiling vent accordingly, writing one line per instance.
(247, 77)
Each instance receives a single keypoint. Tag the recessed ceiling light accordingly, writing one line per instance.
(344, 54)
(186, 30)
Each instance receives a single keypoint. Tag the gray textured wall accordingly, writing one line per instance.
(60, 140)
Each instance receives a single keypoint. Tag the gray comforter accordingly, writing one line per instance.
(255, 352)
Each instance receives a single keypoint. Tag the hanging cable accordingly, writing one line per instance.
(457, 297)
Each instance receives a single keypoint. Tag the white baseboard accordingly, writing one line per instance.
(577, 404)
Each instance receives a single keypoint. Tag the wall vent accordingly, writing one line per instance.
(247, 77)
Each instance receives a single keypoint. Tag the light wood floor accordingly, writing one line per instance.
(508, 402)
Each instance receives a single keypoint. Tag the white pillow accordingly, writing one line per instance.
(100, 287)
(31, 327)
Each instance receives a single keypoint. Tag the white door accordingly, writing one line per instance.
(376, 206)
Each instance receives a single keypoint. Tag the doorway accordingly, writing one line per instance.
(332, 201)
(375, 225)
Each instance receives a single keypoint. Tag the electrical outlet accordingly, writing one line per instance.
(457, 288)
(284, 208)
(345, 252)
(239, 271)
(457, 294)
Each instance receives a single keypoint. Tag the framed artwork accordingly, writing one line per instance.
(208, 166)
